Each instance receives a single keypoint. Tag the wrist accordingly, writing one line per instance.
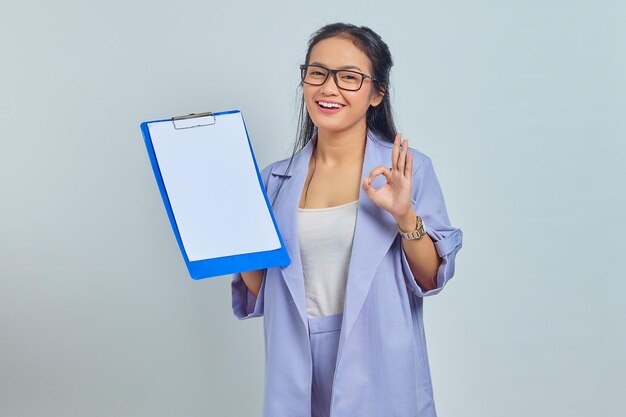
(412, 232)
(407, 222)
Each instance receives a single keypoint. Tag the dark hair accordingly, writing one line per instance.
(379, 119)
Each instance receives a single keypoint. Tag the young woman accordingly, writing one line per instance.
(365, 225)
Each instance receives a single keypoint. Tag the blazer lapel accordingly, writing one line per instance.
(375, 231)
(285, 212)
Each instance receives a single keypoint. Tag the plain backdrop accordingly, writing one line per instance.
(520, 105)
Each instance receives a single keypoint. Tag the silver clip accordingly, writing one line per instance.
(193, 120)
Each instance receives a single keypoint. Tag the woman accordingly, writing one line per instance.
(343, 321)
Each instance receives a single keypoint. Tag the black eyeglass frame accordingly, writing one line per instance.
(304, 67)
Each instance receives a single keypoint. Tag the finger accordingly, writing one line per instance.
(408, 171)
(366, 184)
(395, 151)
(402, 157)
(380, 169)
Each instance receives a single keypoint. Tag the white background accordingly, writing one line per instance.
(520, 105)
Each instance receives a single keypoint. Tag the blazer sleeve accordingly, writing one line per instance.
(428, 203)
(245, 304)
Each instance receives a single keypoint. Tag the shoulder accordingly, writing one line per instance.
(276, 167)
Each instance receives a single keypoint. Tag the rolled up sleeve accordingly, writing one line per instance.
(428, 203)
(245, 304)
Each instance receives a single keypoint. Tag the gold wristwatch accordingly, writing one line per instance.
(416, 234)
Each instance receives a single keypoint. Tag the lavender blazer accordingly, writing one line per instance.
(382, 364)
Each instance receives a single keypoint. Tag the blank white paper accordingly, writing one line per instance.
(213, 188)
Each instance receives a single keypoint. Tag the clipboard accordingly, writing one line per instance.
(213, 193)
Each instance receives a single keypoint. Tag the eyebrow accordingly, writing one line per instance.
(345, 67)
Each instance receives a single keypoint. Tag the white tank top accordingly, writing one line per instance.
(325, 237)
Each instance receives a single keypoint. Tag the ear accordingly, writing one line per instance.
(378, 97)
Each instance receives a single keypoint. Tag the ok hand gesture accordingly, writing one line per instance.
(395, 196)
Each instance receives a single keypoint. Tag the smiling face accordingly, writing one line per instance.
(345, 111)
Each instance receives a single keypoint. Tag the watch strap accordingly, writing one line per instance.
(415, 234)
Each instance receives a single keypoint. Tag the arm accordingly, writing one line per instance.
(245, 303)
(429, 262)
(253, 279)
(421, 254)
(247, 287)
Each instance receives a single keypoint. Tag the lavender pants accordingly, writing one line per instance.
(324, 336)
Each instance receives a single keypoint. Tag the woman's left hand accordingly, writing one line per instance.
(395, 196)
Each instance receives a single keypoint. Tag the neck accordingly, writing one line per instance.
(338, 148)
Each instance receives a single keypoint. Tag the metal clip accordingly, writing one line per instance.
(193, 120)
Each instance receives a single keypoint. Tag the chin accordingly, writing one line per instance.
(328, 124)
(329, 127)
(335, 126)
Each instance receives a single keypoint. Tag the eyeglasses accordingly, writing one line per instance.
(344, 79)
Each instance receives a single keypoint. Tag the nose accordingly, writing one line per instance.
(330, 85)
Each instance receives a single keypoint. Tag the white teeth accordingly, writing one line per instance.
(329, 105)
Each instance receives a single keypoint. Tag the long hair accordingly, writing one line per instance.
(379, 119)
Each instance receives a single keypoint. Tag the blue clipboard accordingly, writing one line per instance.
(209, 244)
